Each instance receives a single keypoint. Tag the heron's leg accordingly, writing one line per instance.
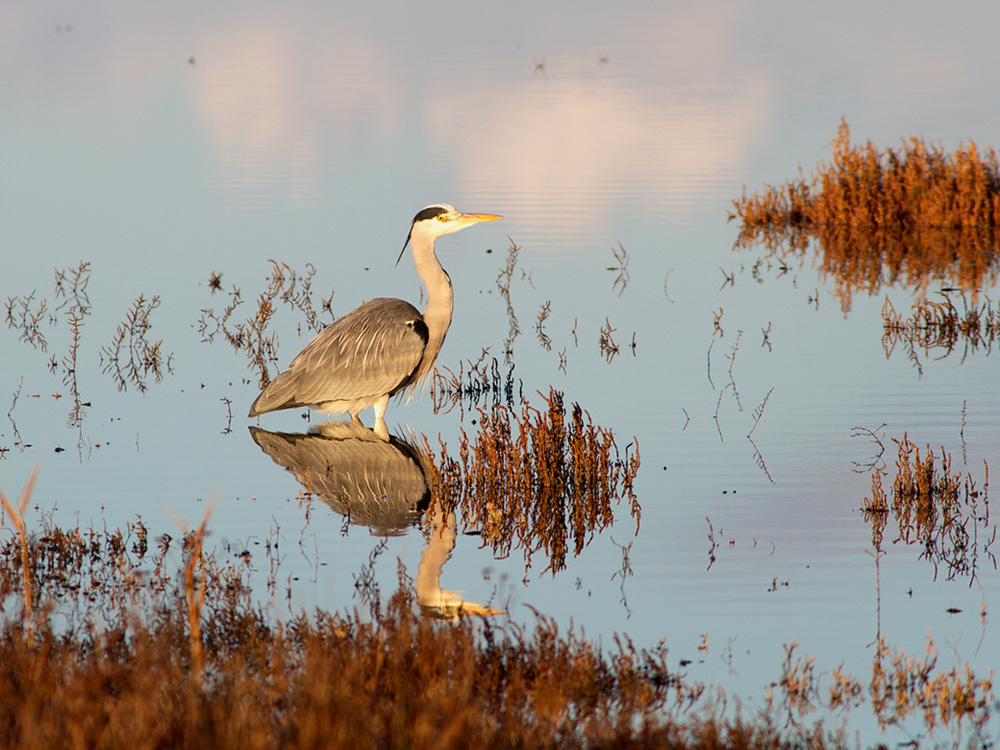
(380, 406)
(380, 429)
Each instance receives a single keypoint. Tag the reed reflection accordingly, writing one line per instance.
(384, 485)
(539, 481)
(909, 217)
(939, 327)
(945, 514)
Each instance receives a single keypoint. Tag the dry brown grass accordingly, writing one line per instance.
(121, 673)
(912, 215)
(945, 513)
(900, 687)
(15, 511)
(109, 661)
(539, 480)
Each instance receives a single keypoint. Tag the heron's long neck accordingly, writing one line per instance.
(437, 315)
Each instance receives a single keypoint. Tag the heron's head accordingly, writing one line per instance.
(440, 219)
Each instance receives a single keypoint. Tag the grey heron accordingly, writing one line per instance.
(381, 348)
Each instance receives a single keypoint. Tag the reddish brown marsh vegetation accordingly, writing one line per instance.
(911, 215)
(944, 513)
(901, 686)
(109, 659)
(115, 639)
(539, 480)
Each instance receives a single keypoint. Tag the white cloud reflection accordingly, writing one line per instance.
(286, 98)
(655, 130)
(276, 94)
(588, 148)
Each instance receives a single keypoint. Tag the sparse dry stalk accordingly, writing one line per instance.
(28, 321)
(194, 589)
(130, 339)
(876, 510)
(260, 348)
(251, 336)
(195, 583)
(503, 286)
(16, 513)
(482, 383)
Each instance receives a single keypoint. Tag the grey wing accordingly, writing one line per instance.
(369, 352)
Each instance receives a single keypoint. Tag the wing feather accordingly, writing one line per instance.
(369, 352)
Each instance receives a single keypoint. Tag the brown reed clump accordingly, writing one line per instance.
(541, 480)
(940, 326)
(900, 687)
(911, 215)
(126, 678)
(945, 513)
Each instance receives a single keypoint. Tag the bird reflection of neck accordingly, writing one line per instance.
(431, 597)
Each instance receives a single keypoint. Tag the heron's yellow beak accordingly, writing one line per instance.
(476, 218)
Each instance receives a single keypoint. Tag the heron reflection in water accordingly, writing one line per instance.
(382, 484)
(380, 349)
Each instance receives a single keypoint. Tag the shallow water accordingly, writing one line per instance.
(162, 147)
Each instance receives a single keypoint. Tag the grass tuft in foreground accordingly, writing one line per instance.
(122, 672)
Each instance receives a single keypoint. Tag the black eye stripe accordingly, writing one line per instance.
(429, 213)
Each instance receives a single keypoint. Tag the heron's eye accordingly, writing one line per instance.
(442, 217)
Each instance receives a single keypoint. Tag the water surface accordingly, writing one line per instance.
(164, 146)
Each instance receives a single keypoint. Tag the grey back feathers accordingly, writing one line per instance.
(372, 351)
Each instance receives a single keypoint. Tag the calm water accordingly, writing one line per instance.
(162, 145)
